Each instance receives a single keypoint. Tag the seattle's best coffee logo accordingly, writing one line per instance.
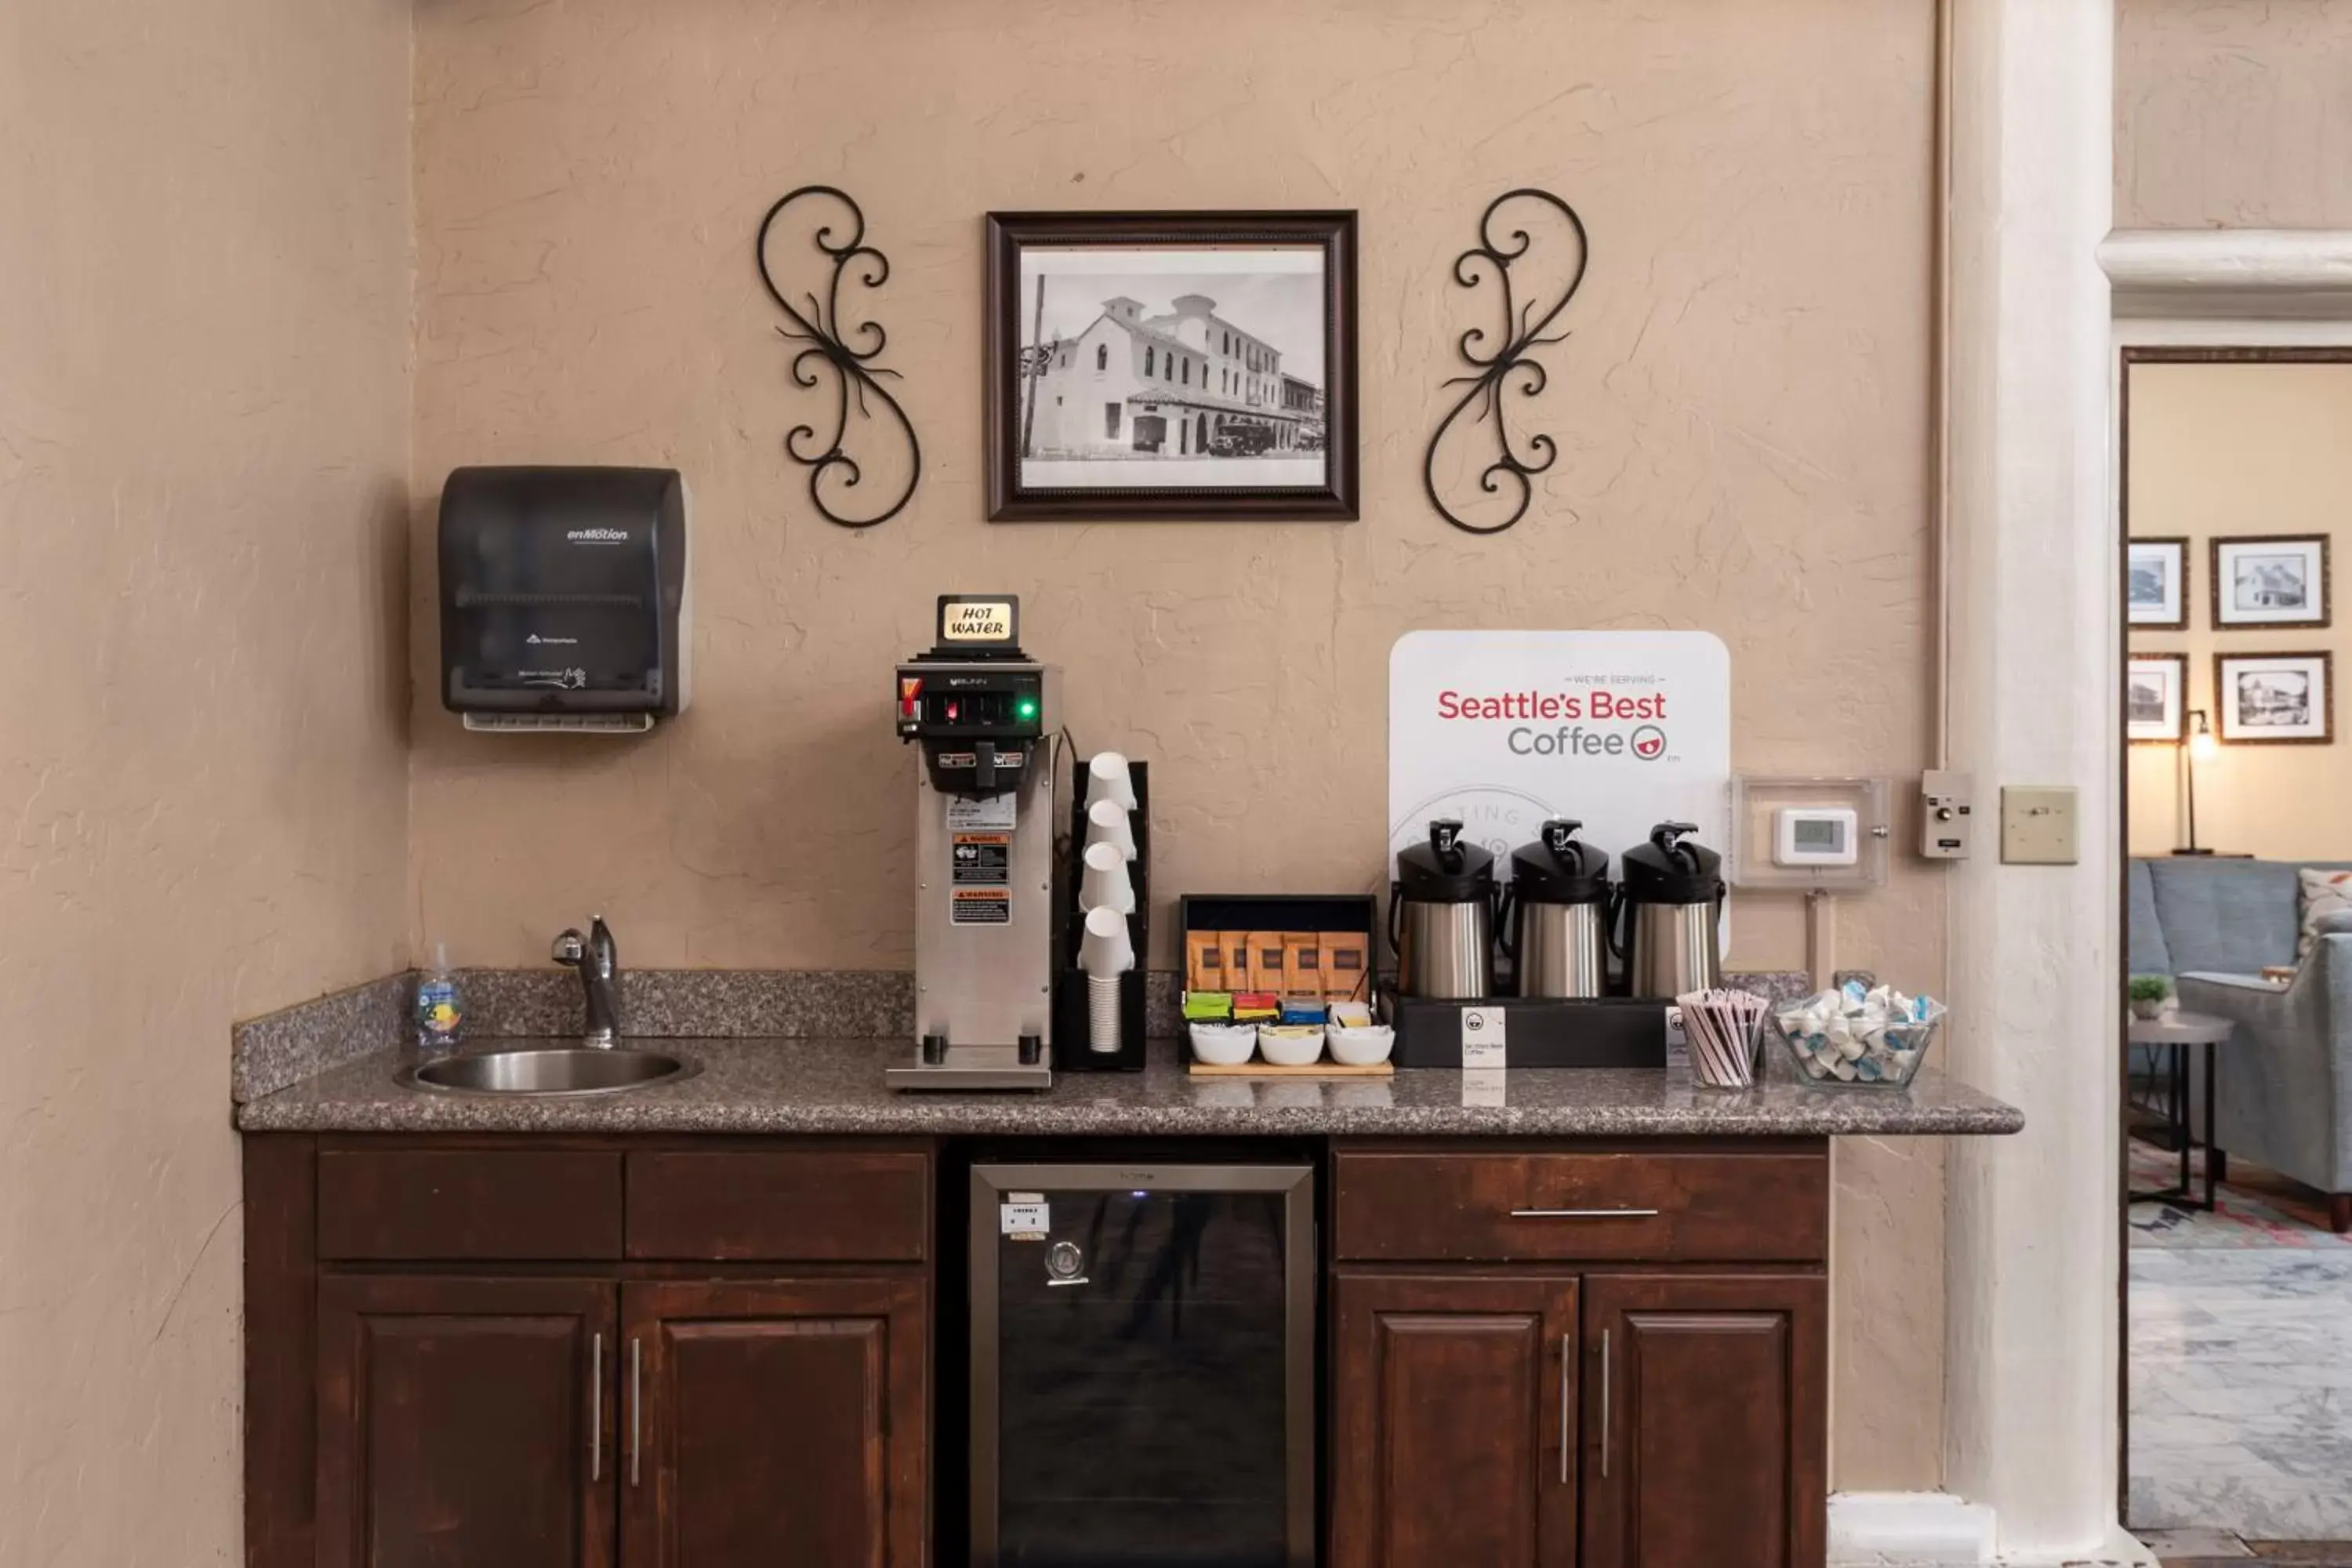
(1586, 723)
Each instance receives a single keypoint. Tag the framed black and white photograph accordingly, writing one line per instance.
(2270, 580)
(2154, 688)
(1171, 365)
(2156, 584)
(2275, 698)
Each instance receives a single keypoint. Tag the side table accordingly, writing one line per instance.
(2174, 1034)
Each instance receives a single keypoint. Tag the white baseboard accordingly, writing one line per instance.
(1936, 1530)
(1908, 1529)
(2122, 1551)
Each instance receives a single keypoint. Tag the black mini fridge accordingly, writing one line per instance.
(1143, 1365)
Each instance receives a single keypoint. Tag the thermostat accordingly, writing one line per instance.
(1815, 836)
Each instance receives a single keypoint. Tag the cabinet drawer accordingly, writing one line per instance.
(1465, 1208)
(468, 1202)
(817, 1205)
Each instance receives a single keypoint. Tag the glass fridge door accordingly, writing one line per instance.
(1150, 1361)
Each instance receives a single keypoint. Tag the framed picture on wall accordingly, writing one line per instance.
(2155, 685)
(2277, 580)
(2156, 584)
(2275, 698)
(1179, 365)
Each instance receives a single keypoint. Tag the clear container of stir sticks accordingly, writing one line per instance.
(1725, 1031)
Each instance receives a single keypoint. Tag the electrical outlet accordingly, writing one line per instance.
(1947, 822)
(2037, 826)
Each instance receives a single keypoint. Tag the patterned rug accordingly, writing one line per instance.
(2254, 1207)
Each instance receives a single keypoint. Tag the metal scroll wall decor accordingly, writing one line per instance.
(1511, 367)
(848, 352)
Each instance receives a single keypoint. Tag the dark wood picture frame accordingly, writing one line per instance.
(2179, 662)
(2180, 544)
(2222, 697)
(2213, 569)
(1334, 500)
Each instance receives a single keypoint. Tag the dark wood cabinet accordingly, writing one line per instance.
(1453, 1406)
(653, 1352)
(1706, 1420)
(486, 1352)
(1580, 1357)
(465, 1421)
(775, 1422)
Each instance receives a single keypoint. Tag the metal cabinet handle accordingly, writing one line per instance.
(597, 1408)
(1584, 1213)
(1604, 1405)
(1567, 1429)
(637, 1406)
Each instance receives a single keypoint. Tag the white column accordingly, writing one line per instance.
(2031, 1230)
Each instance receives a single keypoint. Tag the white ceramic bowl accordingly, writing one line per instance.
(1360, 1048)
(1291, 1045)
(1224, 1045)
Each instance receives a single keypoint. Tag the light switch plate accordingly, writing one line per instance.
(2038, 825)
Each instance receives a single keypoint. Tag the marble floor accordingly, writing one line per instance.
(2240, 1373)
(2219, 1549)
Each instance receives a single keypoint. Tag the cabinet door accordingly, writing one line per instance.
(1453, 1402)
(1705, 1421)
(464, 1422)
(775, 1422)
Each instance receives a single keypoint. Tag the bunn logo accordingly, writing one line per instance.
(597, 536)
(1649, 742)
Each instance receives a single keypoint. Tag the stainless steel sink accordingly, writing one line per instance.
(541, 1072)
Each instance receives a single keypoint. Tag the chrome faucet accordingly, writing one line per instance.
(599, 963)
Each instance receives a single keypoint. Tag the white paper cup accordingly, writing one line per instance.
(1105, 949)
(1106, 884)
(1106, 823)
(1102, 1013)
(1108, 778)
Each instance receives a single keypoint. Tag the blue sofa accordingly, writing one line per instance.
(2285, 1082)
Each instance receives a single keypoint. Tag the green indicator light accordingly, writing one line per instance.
(1027, 708)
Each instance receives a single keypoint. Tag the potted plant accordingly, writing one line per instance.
(2148, 994)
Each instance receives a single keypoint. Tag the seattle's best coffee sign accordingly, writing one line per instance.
(1620, 729)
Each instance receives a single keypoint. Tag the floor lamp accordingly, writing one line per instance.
(2199, 749)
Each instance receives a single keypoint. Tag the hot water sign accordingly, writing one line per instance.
(1619, 730)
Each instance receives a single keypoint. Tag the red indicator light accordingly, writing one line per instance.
(953, 708)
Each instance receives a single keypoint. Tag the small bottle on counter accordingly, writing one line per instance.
(440, 1012)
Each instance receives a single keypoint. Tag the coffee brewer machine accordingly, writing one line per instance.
(976, 706)
(1672, 904)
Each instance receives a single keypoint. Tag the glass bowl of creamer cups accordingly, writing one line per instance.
(1858, 1036)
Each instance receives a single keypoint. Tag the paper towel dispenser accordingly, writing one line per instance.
(564, 599)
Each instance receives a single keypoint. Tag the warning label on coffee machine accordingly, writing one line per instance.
(980, 873)
(982, 907)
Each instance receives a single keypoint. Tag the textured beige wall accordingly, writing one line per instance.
(1741, 411)
(204, 269)
(2246, 448)
(2234, 113)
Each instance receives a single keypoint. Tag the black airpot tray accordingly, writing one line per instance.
(1539, 1031)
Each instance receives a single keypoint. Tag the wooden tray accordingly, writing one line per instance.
(1312, 1069)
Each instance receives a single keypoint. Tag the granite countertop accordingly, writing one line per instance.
(835, 1086)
